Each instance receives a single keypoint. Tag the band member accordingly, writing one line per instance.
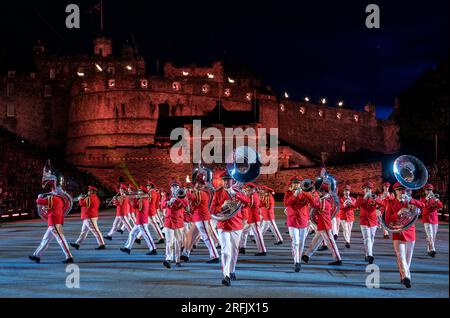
(122, 209)
(251, 211)
(347, 215)
(174, 222)
(267, 204)
(199, 203)
(229, 230)
(386, 195)
(405, 240)
(141, 205)
(154, 197)
(297, 206)
(368, 219)
(335, 225)
(324, 232)
(89, 214)
(54, 203)
(430, 218)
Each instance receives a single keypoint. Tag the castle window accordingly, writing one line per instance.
(10, 92)
(10, 110)
(320, 113)
(47, 90)
(116, 111)
(356, 118)
(302, 110)
(339, 115)
(144, 83)
(282, 107)
(111, 70)
(248, 96)
(52, 73)
(176, 86)
(123, 109)
(205, 88)
(111, 83)
(227, 92)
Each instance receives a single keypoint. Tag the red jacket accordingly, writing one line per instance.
(251, 209)
(298, 209)
(122, 206)
(234, 223)
(199, 201)
(153, 202)
(55, 205)
(175, 213)
(430, 211)
(392, 208)
(267, 204)
(347, 213)
(142, 207)
(89, 207)
(323, 214)
(368, 211)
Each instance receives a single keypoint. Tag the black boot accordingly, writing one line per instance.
(347, 245)
(335, 237)
(35, 259)
(311, 232)
(184, 258)
(407, 282)
(336, 263)
(386, 236)
(322, 248)
(178, 264)
(68, 260)
(233, 276)
(120, 231)
(152, 252)
(370, 259)
(160, 241)
(226, 281)
(125, 250)
(75, 246)
(167, 264)
(107, 237)
(278, 243)
(242, 250)
(305, 258)
(261, 254)
(213, 261)
(433, 254)
(101, 247)
(297, 267)
(137, 241)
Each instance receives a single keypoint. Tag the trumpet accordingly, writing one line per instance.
(348, 201)
(307, 185)
(112, 200)
(80, 196)
(432, 196)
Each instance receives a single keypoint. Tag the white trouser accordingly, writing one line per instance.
(404, 252)
(173, 244)
(298, 237)
(161, 214)
(55, 231)
(204, 229)
(265, 225)
(253, 227)
(119, 220)
(368, 234)
(335, 225)
(431, 232)
(347, 230)
(327, 237)
(214, 234)
(229, 241)
(90, 225)
(129, 219)
(141, 229)
(152, 222)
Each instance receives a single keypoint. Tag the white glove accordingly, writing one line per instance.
(231, 191)
(225, 205)
(40, 196)
(297, 192)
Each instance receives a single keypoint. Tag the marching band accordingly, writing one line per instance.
(223, 218)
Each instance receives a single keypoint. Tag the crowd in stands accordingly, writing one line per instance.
(21, 167)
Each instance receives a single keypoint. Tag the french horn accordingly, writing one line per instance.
(411, 173)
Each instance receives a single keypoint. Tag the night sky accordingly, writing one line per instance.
(307, 48)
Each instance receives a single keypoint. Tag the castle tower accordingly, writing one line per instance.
(38, 49)
(103, 46)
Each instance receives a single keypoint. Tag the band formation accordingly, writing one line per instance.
(190, 213)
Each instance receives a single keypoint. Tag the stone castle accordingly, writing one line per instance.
(113, 119)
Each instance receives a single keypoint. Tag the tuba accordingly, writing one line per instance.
(412, 174)
(243, 166)
(335, 205)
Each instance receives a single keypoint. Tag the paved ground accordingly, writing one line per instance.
(111, 273)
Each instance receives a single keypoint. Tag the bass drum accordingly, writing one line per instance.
(42, 210)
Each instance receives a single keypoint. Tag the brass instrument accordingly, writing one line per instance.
(412, 174)
(335, 204)
(307, 185)
(432, 196)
